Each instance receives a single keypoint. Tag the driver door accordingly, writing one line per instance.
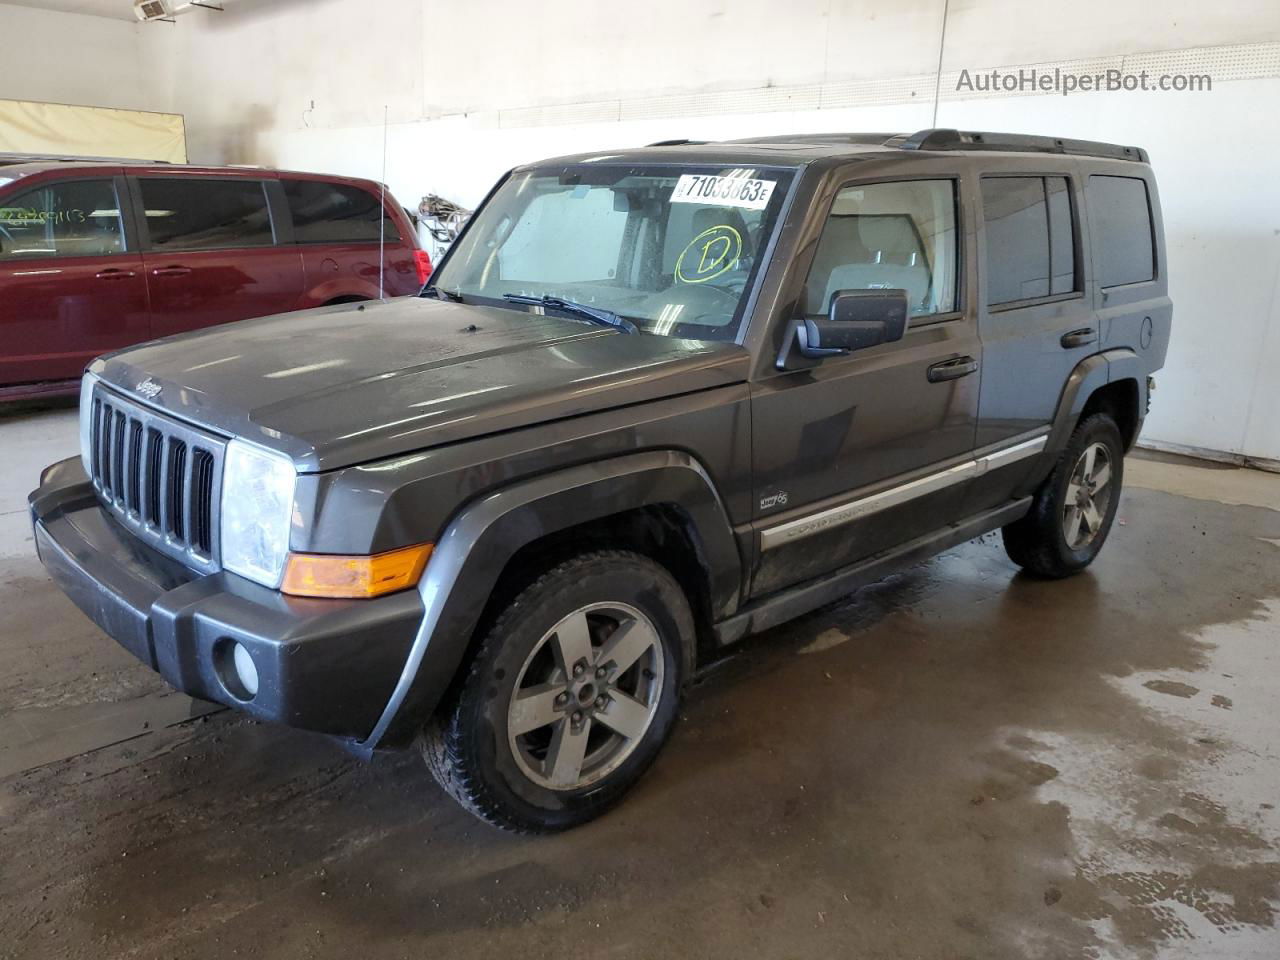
(850, 452)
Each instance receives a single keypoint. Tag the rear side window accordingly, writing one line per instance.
(889, 236)
(1030, 238)
(80, 218)
(1121, 210)
(193, 214)
(335, 213)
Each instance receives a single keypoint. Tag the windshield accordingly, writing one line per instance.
(674, 249)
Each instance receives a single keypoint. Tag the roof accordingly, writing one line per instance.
(799, 148)
(14, 170)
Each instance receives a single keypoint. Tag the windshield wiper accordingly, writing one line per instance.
(439, 293)
(595, 314)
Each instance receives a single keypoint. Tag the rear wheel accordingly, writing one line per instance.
(570, 696)
(1072, 511)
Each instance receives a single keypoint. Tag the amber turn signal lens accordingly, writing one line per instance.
(328, 575)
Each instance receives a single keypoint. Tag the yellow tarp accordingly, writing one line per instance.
(62, 130)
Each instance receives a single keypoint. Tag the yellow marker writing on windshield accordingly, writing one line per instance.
(719, 249)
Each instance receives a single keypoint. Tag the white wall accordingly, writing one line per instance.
(57, 57)
(473, 89)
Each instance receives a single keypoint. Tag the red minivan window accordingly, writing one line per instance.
(336, 213)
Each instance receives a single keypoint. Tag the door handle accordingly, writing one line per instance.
(174, 271)
(1078, 338)
(952, 369)
(114, 274)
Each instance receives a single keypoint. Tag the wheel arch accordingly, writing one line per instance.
(1114, 382)
(660, 503)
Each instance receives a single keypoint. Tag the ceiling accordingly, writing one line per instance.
(115, 9)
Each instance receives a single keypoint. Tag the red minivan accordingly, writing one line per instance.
(99, 256)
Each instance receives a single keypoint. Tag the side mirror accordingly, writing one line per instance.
(855, 320)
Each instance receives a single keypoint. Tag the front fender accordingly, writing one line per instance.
(476, 545)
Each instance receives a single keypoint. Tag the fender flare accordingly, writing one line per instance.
(1094, 371)
(476, 545)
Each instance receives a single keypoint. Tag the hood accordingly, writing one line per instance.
(354, 383)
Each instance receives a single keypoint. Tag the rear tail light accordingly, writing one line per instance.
(423, 262)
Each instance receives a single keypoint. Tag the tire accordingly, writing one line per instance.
(1058, 538)
(492, 748)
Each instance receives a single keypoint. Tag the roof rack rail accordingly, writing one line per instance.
(673, 143)
(8, 158)
(945, 139)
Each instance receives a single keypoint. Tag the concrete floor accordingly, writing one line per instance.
(957, 762)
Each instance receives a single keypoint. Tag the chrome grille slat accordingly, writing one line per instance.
(133, 493)
(159, 477)
(201, 500)
(117, 457)
(105, 475)
(175, 475)
(155, 451)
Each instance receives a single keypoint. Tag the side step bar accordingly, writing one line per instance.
(795, 601)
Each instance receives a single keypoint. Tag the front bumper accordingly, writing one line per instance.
(323, 665)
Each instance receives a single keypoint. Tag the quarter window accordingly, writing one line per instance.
(192, 214)
(1122, 211)
(80, 218)
(1030, 238)
(889, 236)
(335, 213)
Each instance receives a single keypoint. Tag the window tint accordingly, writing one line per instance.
(1030, 239)
(886, 236)
(76, 219)
(1122, 212)
(334, 213)
(189, 214)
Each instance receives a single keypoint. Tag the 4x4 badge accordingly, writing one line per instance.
(149, 388)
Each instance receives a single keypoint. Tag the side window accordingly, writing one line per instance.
(1062, 246)
(335, 213)
(886, 236)
(184, 213)
(1030, 238)
(80, 218)
(1120, 212)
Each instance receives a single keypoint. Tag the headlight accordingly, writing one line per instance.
(86, 421)
(257, 503)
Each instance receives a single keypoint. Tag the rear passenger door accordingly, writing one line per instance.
(213, 252)
(1035, 321)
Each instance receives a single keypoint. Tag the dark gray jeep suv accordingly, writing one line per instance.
(651, 402)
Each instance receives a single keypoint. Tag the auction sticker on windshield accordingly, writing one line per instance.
(723, 191)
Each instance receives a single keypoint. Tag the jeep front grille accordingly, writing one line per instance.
(159, 477)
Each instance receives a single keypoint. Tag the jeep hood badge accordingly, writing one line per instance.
(149, 388)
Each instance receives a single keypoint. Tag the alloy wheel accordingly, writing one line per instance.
(1088, 497)
(586, 696)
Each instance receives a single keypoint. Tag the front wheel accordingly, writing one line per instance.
(569, 697)
(1072, 511)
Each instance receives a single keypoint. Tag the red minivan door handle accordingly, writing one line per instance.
(174, 271)
(115, 274)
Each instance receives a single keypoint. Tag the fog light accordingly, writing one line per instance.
(244, 679)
